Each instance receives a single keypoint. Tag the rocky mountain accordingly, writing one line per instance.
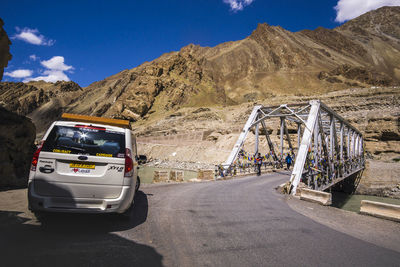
(17, 133)
(17, 136)
(5, 43)
(41, 101)
(272, 61)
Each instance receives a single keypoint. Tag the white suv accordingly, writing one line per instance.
(84, 167)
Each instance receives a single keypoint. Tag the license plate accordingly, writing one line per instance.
(81, 165)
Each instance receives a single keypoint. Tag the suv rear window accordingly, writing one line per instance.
(85, 140)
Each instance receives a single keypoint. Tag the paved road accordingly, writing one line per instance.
(240, 222)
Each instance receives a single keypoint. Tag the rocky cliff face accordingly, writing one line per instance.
(5, 43)
(17, 136)
(170, 82)
(42, 102)
(17, 133)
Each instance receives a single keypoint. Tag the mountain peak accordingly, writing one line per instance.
(384, 20)
(264, 29)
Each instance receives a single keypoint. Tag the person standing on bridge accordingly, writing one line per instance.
(288, 160)
(259, 160)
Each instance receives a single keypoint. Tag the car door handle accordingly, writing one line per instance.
(46, 169)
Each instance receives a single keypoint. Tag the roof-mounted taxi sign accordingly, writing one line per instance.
(85, 118)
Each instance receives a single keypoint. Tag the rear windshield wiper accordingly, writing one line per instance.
(72, 147)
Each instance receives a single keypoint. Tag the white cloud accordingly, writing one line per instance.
(237, 5)
(51, 76)
(22, 73)
(54, 72)
(350, 9)
(33, 57)
(32, 36)
(56, 63)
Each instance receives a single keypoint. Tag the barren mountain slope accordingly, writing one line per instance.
(42, 102)
(374, 111)
(168, 82)
(379, 33)
(271, 61)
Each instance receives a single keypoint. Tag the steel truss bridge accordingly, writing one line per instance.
(329, 149)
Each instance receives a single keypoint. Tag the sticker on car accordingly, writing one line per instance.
(103, 155)
(117, 168)
(82, 165)
(82, 171)
(62, 151)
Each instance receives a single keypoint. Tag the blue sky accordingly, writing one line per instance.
(87, 41)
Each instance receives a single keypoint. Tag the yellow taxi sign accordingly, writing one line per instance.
(85, 118)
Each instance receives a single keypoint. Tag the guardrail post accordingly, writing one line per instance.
(256, 142)
(341, 148)
(282, 131)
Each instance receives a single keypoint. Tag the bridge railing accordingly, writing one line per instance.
(242, 168)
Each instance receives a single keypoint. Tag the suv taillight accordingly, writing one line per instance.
(36, 157)
(128, 163)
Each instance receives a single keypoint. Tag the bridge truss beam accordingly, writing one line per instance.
(329, 149)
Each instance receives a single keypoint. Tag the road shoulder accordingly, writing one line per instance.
(377, 231)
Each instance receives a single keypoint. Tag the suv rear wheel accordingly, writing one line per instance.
(129, 212)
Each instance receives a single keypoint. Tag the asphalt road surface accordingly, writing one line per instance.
(239, 222)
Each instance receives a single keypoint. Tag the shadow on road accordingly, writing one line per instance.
(74, 239)
(97, 222)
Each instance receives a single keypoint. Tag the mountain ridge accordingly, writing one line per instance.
(271, 61)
